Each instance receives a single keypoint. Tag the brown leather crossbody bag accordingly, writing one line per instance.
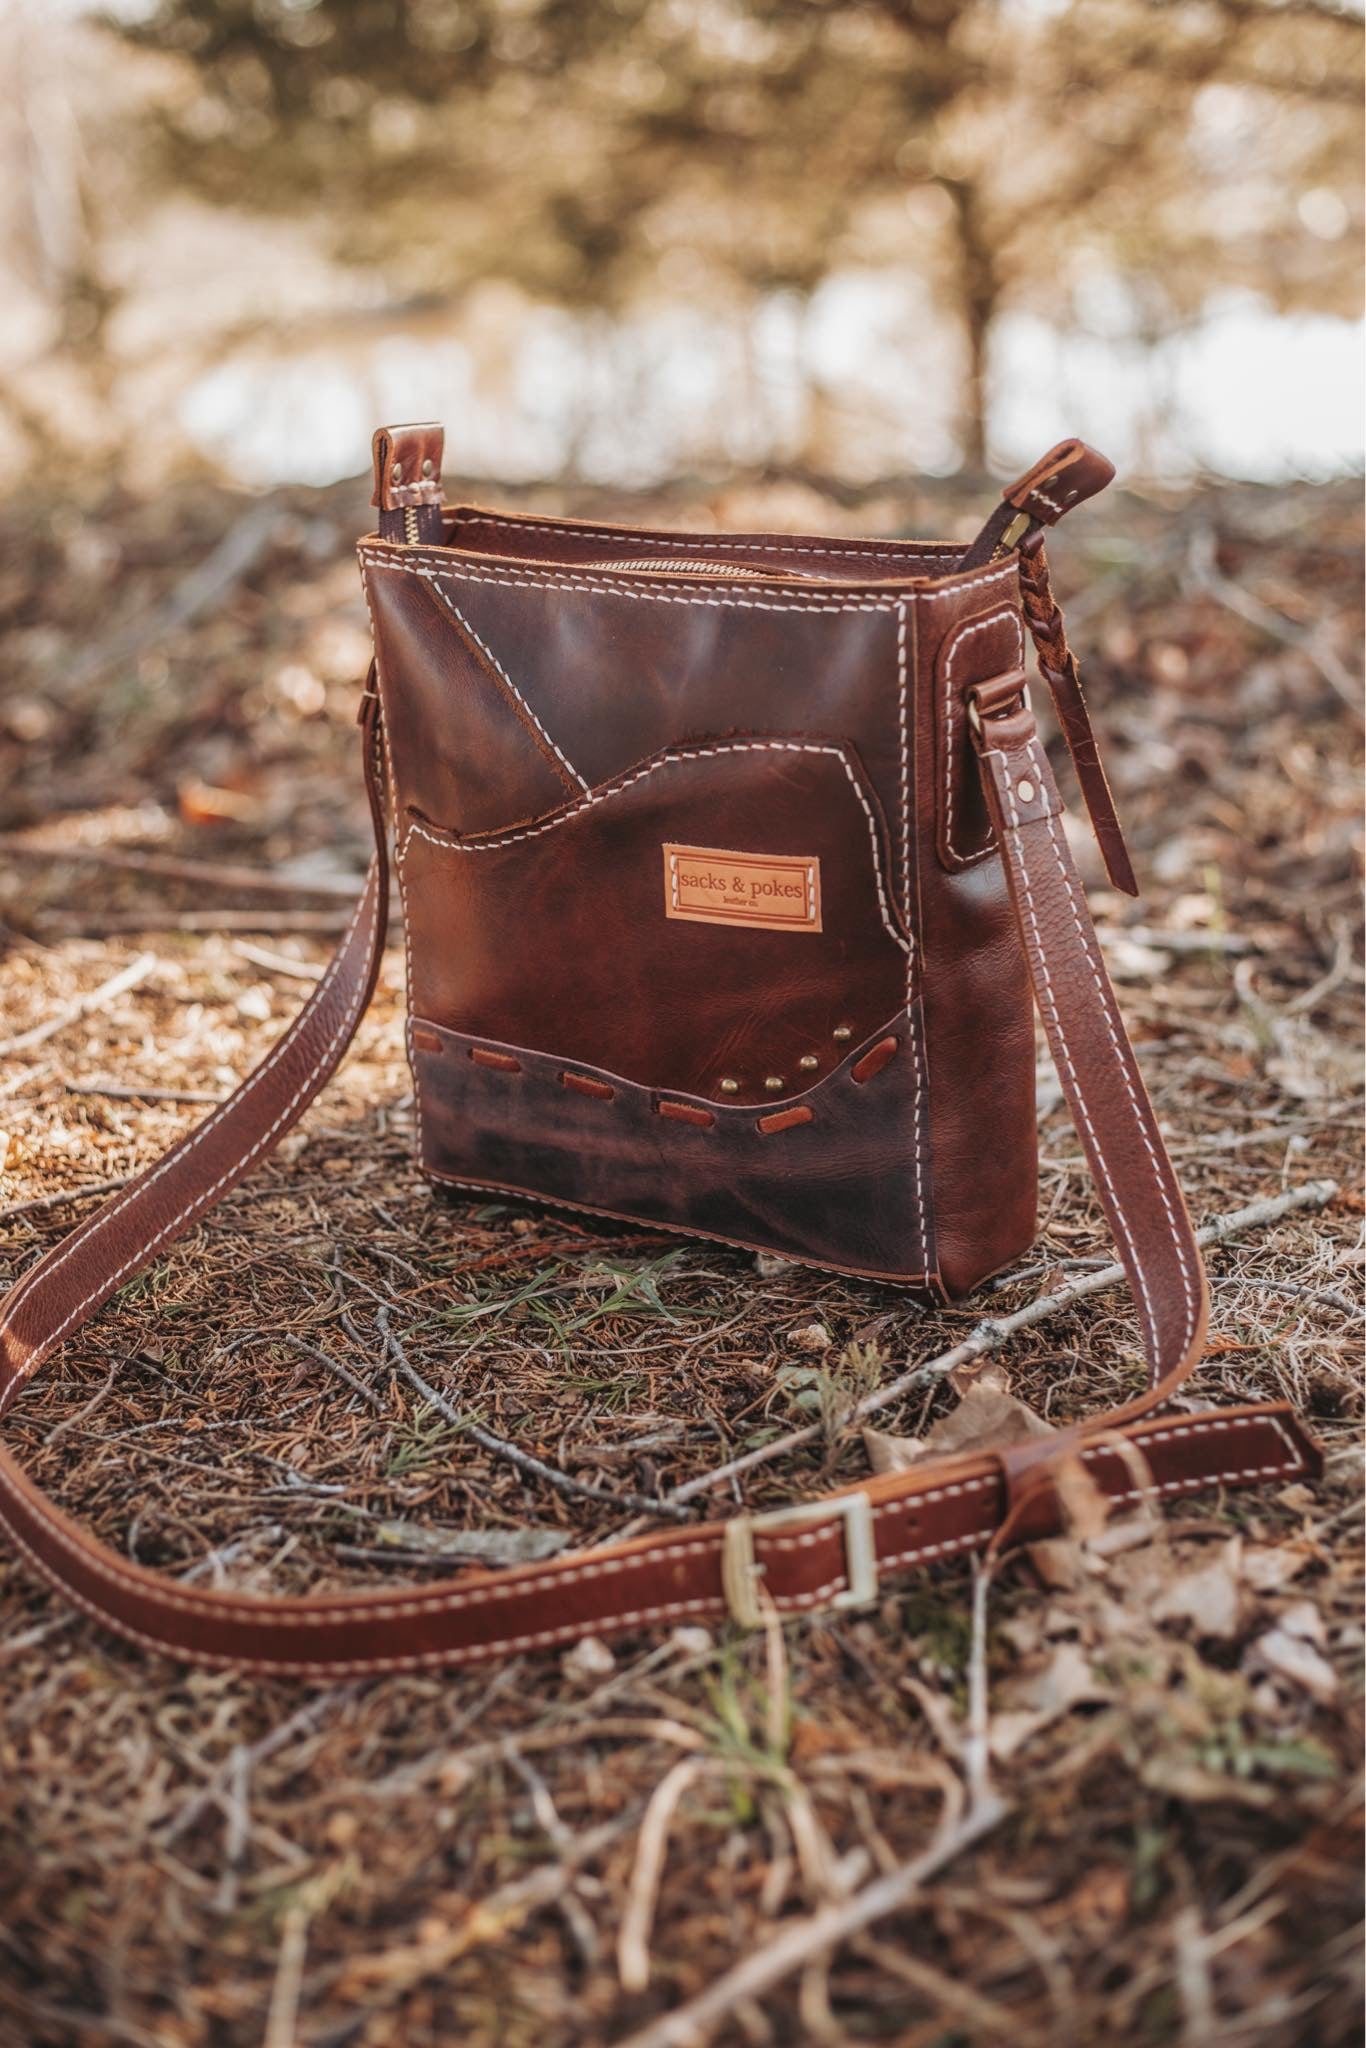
(731, 869)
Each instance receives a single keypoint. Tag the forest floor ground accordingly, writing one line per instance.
(568, 1849)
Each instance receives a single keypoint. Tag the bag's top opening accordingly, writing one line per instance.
(408, 492)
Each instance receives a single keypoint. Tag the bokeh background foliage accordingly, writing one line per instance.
(890, 209)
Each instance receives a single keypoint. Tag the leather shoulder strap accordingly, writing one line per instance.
(830, 1552)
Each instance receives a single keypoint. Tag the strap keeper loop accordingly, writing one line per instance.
(997, 697)
(741, 1571)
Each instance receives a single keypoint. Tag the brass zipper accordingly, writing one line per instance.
(730, 572)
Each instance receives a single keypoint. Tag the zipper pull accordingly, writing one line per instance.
(407, 475)
(1068, 475)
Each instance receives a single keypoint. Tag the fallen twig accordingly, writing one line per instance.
(688, 2026)
(231, 558)
(1198, 942)
(994, 1331)
(394, 1970)
(283, 2013)
(172, 868)
(279, 963)
(119, 1091)
(117, 985)
(303, 1721)
(35, 1203)
(535, 1468)
(87, 1409)
(320, 1357)
(633, 1941)
(157, 918)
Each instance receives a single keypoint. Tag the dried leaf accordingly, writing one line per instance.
(1270, 1566)
(1290, 1657)
(984, 1419)
(1084, 1506)
(812, 1337)
(887, 1453)
(1210, 1597)
(1058, 1563)
(980, 1372)
(1064, 1682)
(589, 1660)
(1303, 1620)
(202, 804)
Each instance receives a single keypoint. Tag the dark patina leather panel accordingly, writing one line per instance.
(614, 669)
(827, 1190)
(466, 749)
(556, 935)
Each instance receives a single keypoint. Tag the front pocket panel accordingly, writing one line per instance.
(559, 935)
(836, 1177)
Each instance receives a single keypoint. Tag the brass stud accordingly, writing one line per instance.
(428, 467)
(774, 1084)
(1026, 790)
(396, 473)
(807, 1061)
(842, 1032)
(729, 1087)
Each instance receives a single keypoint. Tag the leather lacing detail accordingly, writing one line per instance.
(669, 1108)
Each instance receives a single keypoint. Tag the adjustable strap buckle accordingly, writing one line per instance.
(741, 1571)
(998, 697)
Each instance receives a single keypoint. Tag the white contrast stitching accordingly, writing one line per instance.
(417, 564)
(1108, 1012)
(865, 550)
(394, 816)
(903, 731)
(952, 714)
(1052, 503)
(495, 844)
(912, 1021)
(1122, 1222)
(485, 649)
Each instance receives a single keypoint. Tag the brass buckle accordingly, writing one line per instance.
(741, 1571)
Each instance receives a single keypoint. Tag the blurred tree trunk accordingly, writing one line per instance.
(977, 284)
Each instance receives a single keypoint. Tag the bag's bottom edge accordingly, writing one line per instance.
(918, 1283)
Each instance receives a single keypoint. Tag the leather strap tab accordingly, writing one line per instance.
(407, 481)
(1067, 476)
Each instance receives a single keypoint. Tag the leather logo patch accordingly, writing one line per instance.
(771, 893)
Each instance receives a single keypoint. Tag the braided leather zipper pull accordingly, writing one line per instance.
(1058, 667)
